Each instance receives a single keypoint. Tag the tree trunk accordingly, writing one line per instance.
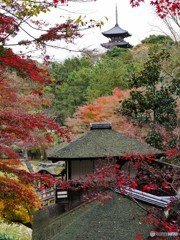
(26, 161)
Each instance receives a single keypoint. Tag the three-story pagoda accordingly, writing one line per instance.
(116, 35)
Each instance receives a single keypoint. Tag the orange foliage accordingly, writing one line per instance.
(18, 200)
(104, 109)
(16, 163)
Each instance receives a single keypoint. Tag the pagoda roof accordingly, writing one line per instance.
(100, 143)
(122, 44)
(116, 31)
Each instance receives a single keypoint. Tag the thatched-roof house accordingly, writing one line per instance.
(99, 143)
(118, 219)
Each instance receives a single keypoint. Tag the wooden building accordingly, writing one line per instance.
(82, 155)
(100, 142)
(116, 36)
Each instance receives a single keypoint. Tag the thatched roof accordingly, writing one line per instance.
(98, 143)
(119, 219)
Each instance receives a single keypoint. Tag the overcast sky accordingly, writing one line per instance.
(139, 22)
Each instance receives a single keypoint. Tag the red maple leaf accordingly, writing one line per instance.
(139, 236)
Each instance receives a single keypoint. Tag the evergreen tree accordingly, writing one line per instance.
(153, 102)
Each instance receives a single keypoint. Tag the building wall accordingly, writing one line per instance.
(80, 168)
(129, 169)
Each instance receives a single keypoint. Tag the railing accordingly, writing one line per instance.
(48, 197)
(47, 194)
(161, 201)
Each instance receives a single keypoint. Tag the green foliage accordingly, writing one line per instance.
(171, 70)
(153, 102)
(62, 71)
(158, 39)
(5, 236)
(108, 74)
(155, 139)
(78, 81)
(118, 52)
(14, 232)
(150, 75)
(71, 79)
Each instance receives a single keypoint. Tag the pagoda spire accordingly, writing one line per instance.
(116, 15)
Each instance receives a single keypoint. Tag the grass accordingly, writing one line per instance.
(16, 231)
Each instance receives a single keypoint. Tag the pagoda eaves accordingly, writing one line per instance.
(111, 44)
(116, 31)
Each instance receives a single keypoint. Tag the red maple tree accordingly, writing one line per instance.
(23, 123)
(163, 7)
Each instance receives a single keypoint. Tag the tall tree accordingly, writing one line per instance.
(69, 86)
(110, 72)
(153, 101)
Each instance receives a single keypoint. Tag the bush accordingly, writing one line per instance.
(4, 236)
